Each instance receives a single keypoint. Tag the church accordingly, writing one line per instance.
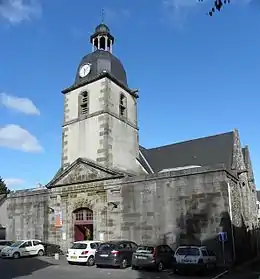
(109, 187)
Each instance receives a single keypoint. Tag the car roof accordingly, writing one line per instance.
(191, 246)
(29, 240)
(117, 241)
(86, 241)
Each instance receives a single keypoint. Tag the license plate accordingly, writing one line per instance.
(104, 255)
(141, 258)
(73, 257)
(187, 261)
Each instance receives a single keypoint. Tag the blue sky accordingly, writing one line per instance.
(197, 75)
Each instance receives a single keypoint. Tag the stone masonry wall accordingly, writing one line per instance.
(70, 198)
(28, 214)
(181, 207)
(243, 167)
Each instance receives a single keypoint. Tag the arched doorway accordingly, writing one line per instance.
(83, 224)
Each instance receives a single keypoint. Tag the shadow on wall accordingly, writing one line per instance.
(194, 225)
(11, 269)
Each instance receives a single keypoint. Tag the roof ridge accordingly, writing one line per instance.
(186, 141)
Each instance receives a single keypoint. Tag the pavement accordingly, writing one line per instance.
(251, 270)
(44, 267)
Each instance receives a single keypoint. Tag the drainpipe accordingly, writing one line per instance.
(231, 219)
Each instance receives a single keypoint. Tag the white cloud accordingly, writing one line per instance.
(23, 105)
(16, 11)
(11, 182)
(14, 137)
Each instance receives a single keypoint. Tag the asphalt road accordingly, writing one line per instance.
(42, 268)
(250, 271)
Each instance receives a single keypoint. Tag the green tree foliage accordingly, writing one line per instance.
(217, 5)
(3, 187)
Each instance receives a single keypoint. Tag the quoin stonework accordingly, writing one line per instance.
(109, 187)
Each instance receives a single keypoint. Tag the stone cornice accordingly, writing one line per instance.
(172, 174)
(98, 77)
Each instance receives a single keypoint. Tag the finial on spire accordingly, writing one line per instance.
(102, 15)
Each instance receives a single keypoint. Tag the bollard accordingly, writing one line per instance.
(56, 256)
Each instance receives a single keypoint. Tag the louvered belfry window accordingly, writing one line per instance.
(84, 103)
(122, 105)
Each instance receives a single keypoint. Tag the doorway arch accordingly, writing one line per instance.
(83, 224)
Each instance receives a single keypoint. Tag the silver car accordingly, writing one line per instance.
(4, 243)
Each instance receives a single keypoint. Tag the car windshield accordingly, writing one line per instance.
(188, 251)
(79, 246)
(17, 243)
(107, 246)
(145, 249)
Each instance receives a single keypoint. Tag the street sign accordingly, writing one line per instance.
(222, 237)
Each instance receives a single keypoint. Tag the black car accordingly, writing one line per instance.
(153, 256)
(115, 253)
(51, 249)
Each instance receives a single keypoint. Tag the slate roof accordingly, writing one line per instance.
(100, 61)
(207, 151)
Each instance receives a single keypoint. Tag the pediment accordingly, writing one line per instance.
(82, 171)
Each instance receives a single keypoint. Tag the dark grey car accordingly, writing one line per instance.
(115, 253)
(153, 256)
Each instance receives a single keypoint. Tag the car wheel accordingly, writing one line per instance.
(124, 263)
(40, 253)
(91, 261)
(160, 266)
(16, 255)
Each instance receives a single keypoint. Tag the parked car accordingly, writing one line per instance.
(197, 258)
(23, 248)
(4, 243)
(153, 256)
(82, 252)
(51, 249)
(115, 253)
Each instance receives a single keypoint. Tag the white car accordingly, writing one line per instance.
(197, 258)
(23, 248)
(82, 252)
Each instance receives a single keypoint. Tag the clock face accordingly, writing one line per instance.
(84, 70)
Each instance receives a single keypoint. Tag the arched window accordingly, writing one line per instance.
(122, 105)
(83, 103)
(102, 43)
(83, 215)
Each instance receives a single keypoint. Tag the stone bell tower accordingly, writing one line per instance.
(100, 110)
